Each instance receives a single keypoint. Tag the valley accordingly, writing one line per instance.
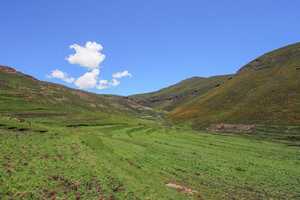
(232, 136)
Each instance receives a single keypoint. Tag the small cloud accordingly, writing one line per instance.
(115, 82)
(89, 56)
(103, 84)
(121, 74)
(88, 80)
(58, 74)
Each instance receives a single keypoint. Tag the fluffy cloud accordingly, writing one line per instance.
(103, 84)
(61, 75)
(89, 56)
(88, 80)
(121, 74)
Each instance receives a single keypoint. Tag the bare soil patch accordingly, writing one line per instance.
(233, 128)
(181, 188)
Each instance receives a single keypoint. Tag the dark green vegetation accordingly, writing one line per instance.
(61, 143)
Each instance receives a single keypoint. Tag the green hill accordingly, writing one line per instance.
(265, 91)
(184, 91)
(26, 97)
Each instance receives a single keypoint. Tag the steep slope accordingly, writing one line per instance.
(266, 91)
(26, 96)
(175, 95)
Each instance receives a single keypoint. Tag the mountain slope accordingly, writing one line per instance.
(176, 95)
(26, 96)
(267, 90)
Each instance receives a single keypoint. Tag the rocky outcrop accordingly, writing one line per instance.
(7, 69)
(232, 128)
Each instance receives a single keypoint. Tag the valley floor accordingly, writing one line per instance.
(119, 161)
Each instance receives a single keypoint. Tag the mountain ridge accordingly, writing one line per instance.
(174, 95)
(26, 96)
(264, 91)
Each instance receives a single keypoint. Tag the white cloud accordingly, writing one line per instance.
(121, 74)
(89, 56)
(103, 84)
(88, 80)
(115, 82)
(61, 75)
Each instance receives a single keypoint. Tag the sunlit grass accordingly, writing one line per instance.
(137, 160)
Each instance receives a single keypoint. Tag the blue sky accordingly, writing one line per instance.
(159, 42)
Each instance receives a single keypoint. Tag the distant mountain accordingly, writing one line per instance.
(265, 91)
(180, 93)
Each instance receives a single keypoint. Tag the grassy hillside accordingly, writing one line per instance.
(175, 95)
(265, 91)
(26, 97)
(140, 161)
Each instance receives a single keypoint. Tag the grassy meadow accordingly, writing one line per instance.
(48, 159)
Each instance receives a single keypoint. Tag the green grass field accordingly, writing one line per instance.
(136, 160)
